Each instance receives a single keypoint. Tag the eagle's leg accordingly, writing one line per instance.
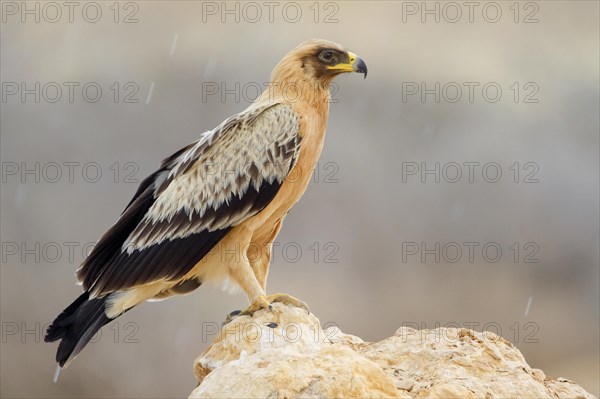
(244, 276)
(260, 265)
(250, 273)
(259, 303)
(260, 251)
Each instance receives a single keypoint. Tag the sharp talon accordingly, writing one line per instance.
(231, 316)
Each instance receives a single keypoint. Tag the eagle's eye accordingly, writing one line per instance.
(326, 56)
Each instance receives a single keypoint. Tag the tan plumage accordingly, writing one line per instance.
(213, 209)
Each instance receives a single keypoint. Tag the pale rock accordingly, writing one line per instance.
(285, 353)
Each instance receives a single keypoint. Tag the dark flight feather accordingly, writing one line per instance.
(76, 326)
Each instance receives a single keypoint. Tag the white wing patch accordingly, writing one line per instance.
(247, 150)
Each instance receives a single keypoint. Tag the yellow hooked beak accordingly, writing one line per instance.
(354, 64)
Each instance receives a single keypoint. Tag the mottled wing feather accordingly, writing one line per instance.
(185, 208)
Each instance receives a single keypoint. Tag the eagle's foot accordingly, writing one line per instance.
(288, 300)
(260, 303)
(264, 302)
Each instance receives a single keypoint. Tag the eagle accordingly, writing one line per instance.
(212, 210)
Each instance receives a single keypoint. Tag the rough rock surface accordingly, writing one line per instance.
(285, 353)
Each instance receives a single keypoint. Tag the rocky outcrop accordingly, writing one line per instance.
(285, 353)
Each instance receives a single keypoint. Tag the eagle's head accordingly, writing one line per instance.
(318, 61)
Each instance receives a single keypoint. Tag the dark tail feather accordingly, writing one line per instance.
(76, 325)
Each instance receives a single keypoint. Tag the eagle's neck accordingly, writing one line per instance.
(290, 86)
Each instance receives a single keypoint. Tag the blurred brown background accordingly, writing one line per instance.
(358, 218)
